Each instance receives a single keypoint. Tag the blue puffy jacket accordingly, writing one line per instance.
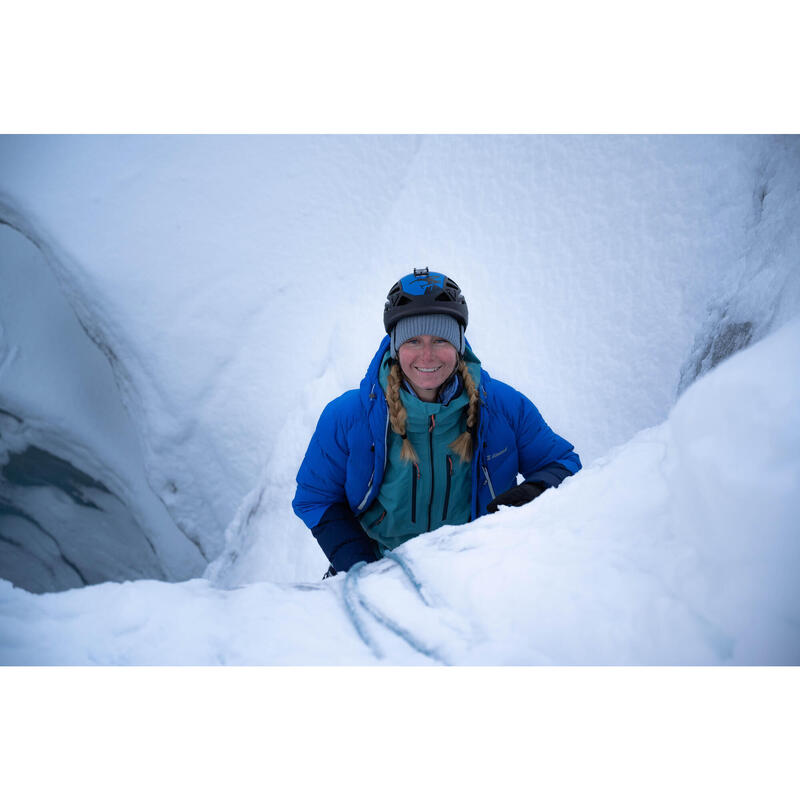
(343, 467)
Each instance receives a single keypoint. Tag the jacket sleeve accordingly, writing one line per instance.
(342, 539)
(322, 475)
(550, 476)
(544, 456)
(320, 500)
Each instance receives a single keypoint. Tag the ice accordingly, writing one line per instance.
(65, 435)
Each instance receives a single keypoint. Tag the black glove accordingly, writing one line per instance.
(518, 496)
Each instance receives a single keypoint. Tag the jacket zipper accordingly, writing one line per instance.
(430, 443)
(361, 505)
(378, 521)
(414, 479)
(447, 489)
(475, 511)
(369, 489)
(488, 480)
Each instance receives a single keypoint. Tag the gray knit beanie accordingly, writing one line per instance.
(442, 326)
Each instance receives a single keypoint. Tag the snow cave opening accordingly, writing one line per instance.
(75, 506)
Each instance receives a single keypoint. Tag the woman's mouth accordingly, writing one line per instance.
(428, 369)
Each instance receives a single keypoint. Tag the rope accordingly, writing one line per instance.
(391, 555)
(353, 596)
(350, 594)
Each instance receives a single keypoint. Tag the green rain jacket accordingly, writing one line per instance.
(433, 491)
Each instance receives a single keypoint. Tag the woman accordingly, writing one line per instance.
(429, 438)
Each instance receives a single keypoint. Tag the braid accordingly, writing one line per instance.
(462, 446)
(397, 413)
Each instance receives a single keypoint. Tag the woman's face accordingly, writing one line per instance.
(427, 362)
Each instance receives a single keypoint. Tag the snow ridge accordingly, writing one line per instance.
(666, 551)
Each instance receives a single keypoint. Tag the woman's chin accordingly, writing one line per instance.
(421, 388)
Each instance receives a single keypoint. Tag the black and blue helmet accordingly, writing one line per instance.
(424, 292)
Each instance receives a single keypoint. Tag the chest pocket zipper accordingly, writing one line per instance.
(449, 473)
(414, 478)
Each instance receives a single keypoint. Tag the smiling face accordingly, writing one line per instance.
(427, 362)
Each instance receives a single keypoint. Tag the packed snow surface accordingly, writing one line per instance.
(679, 547)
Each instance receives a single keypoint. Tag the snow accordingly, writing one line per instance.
(234, 286)
(679, 547)
(59, 401)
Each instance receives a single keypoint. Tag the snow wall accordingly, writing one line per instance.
(176, 311)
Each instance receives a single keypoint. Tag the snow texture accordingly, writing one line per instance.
(680, 547)
(177, 311)
(75, 505)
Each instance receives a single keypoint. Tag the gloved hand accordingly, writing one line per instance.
(518, 495)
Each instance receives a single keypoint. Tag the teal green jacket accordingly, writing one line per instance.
(436, 489)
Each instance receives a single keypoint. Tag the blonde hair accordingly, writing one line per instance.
(398, 416)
